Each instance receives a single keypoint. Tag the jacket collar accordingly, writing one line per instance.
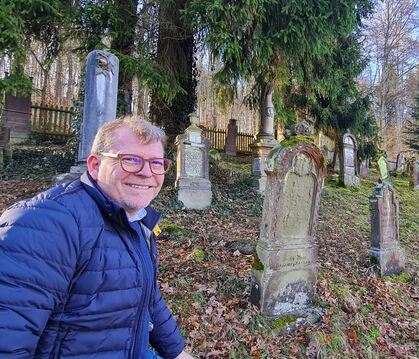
(111, 209)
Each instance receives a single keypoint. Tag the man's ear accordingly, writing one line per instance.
(93, 163)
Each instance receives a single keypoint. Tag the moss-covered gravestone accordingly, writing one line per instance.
(284, 270)
(349, 161)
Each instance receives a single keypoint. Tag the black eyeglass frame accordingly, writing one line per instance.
(119, 156)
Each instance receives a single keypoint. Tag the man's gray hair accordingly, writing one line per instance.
(143, 129)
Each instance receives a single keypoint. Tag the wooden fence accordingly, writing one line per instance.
(54, 121)
(217, 138)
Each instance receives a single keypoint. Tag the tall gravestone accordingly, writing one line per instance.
(231, 140)
(284, 270)
(100, 99)
(194, 186)
(415, 174)
(349, 161)
(385, 245)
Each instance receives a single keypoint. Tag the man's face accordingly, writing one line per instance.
(131, 191)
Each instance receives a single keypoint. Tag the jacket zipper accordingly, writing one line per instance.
(141, 309)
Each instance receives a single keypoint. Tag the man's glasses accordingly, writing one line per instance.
(134, 164)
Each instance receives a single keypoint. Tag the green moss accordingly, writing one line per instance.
(402, 277)
(373, 260)
(281, 323)
(257, 264)
(294, 140)
(169, 227)
(199, 254)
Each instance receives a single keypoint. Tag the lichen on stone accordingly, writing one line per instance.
(257, 264)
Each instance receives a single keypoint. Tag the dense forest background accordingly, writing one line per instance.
(341, 64)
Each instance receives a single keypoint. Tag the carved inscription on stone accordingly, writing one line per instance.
(193, 162)
(298, 199)
(349, 156)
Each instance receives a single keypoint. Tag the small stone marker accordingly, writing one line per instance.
(399, 162)
(100, 99)
(17, 114)
(383, 168)
(385, 245)
(230, 145)
(192, 181)
(349, 161)
(415, 174)
(284, 271)
(364, 170)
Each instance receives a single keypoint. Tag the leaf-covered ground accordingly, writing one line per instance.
(205, 277)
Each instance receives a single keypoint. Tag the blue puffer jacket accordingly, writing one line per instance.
(77, 280)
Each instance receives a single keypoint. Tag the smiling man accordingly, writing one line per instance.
(78, 263)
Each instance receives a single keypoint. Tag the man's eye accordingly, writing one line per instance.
(157, 163)
(132, 160)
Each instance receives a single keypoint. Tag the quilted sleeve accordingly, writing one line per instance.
(38, 255)
(165, 337)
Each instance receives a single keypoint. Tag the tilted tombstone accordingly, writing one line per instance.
(192, 180)
(231, 139)
(349, 161)
(100, 99)
(385, 245)
(284, 270)
(399, 162)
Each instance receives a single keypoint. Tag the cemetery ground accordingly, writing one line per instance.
(205, 262)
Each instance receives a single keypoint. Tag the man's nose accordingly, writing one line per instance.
(146, 170)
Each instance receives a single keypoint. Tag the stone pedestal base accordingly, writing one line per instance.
(351, 180)
(75, 173)
(390, 260)
(284, 282)
(194, 194)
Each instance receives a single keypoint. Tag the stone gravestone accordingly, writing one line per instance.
(231, 145)
(399, 162)
(349, 161)
(385, 246)
(100, 99)
(415, 175)
(364, 170)
(17, 115)
(383, 168)
(284, 270)
(192, 181)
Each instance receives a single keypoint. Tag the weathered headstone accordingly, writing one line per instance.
(231, 145)
(415, 174)
(284, 270)
(385, 245)
(192, 181)
(349, 161)
(17, 117)
(364, 170)
(399, 162)
(383, 168)
(100, 99)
